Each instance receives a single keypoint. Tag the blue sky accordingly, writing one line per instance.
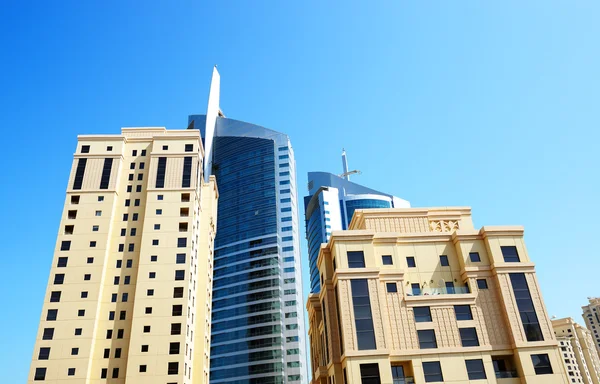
(493, 105)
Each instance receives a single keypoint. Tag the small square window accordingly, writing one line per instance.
(410, 261)
(55, 296)
(150, 292)
(100, 198)
(138, 188)
(148, 310)
(146, 329)
(144, 348)
(159, 211)
(468, 337)
(65, 245)
(444, 261)
(180, 258)
(71, 215)
(130, 177)
(173, 368)
(185, 197)
(90, 260)
(180, 274)
(78, 331)
(44, 353)
(40, 374)
(391, 287)
(432, 370)
(140, 176)
(92, 244)
(184, 212)
(159, 197)
(181, 242)
(387, 260)
(482, 284)
(134, 152)
(69, 229)
(474, 256)
(127, 202)
(62, 262)
(125, 216)
(143, 152)
(156, 227)
(129, 188)
(81, 312)
(165, 147)
(87, 277)
(541, 364)
(174, 348)
(475, 369)
(59, 278)
(85, 149)
(48, 334)
(84, 294)
(189, 147)
(422, 314)
(510, 254)
(356, 259)
(427, 339)
(152, 275)
(177, 292)
(74, 351)
(95, 228)
(109, 148)
(98, 213)
(153, 258)
(463, 312)
(183, 227)
(176, 329)
(143, 367)
(155, 242)
(177, 310)
(75, 199)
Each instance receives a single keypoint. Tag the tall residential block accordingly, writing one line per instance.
(591, 316)
(129, 294)
(257, 310)
(578, 351)
(419, 295)
(330, 205)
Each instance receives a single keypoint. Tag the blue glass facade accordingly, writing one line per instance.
(353, 205)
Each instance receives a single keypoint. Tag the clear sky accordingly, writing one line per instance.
(494, 105)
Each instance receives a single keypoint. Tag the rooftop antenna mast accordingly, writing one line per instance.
(346, 174)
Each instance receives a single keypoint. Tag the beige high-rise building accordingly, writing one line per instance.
(129, 294)
(578, 351)
(419, 295)
(591, 316)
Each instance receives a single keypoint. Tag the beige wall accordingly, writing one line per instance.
(100, 218)
(425, 234)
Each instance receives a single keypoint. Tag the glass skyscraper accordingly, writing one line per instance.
(330, 205)
(257, 306)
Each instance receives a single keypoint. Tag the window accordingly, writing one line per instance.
(143, 367)
(187, 172)
(176, 329)
(387, 260)
(432, 371)
(138, 188)
(140, 176)
(391, 287)
(106, 353)
(87, 277)
(152, 275)
(117, 353)
(127, 202)
(156, 227)
(65, 245)
(510, 254)
(134, 153)
(75, 199)
(115, 373)
(90, 260)
(129, 188)
(74, 351)
(475, 369)
(450, 288)
(113, 298)
(127, 280)
(410, 261)
(369, 374)
(356, 259)
(130, 247)
(48, 334)
(160, 172)
(135, 217)
(78, 331)
(69, 229)
(474, 257)
(59, 278)
(183, 227)
(40, 374)
(133, 232)
(92, 244)
(422, 314)
(416, 289)
(468, 337)
(116, 280)
(153, 258)
(78, 180)
(105, 178)
(541, 364)
(180, 274)
(150, 292)
(526, 308)
(109, 333)
(44, 354)
(129, 263)
(104, 373)
(144, 348)
(143, 152)
(189, 147)
(148, 310)
(165, 147)
(159, 197)
(173, 348)
(482, 284)
(180, 258)
(111, 314)
(463, 312)
(71, 371)
(81, 312)
(185, 197)
(125, 216)
(177, 292)
(173, 368)
(155, 242)
(146, 329)
(444, 261)
(120, 333)
(181, 242)
(177, 310)
(124, 297)
(427, 338)
(365, 333)
(109, 148)
(95, 228)
(130, 177)
(71, 215)
(62, 262)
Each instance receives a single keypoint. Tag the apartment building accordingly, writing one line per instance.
(591, 317)
(418, 295)
(578, 350)
(129, 293)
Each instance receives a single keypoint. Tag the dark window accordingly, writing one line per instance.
(468, 337)
(475, 369)
(181, 242)
(159, 197)
(78, 181)
(450, 288)
(120, 333)
(177, 310)
(85, 149)
(105, 179)
(138, 188)
(160, 172)
(416, 289)
(173, 348)
(527, 312)
(151, 275)
(135, 217)
(71, 215)
(482, 284)
(142, 165)
(422, 314)
(432, 371)
(113, 298)
(104, 373)
(62, 262)
(150, 292)
(136, 203)
(106, 353)
(127, 202)
(444, 261)
(130, 178)
(148, 310)
(117, 353)
(189, 148)
(87, 277)
(177, 292)
(44, 353)
(180, 258)
(510, 254)
(40, 374)
(185, 198)
(463, 312)
(474, 256)
(187, 172)
(129, 187)
(143, 367)
(173, 368)
(369, 374)
(71, 372)
(127, 280)
(111, 314)
(365, 333)
(165, 147)
(146, 329)
(427, 339)
(116, 280)
(180, 274)
(109, 333)
(153, 258)
(140, 176)
(387, 260)
(48, 334)
(176, 329)
(391, 287)
(59, 278)
(144, 348)
(125, 216)
(69, 229)
(541, 364)
(129, 263)
(143, 152)
(119, 263)
(155, 242)
(74, 351)
(75, 199)
(130, 247)
(356, 259)
(109, 148)
(55, 296)
(124, 297)
(78, 331)
(132, 166)
(92, 244)
(410, 260)
(134, 153)
(65, 245)
(90, 260)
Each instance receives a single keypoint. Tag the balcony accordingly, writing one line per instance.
(506, 374)
(437, 291)
(406, 380)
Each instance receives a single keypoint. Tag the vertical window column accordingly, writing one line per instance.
(365, 332)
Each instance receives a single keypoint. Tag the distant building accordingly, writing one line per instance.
(591, 316)
(578, 350)
(329, 207)
(419, 295)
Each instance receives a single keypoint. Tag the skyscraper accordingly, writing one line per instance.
(330, 205)
(591, 316)
(128, 297)
(257, 311)
(580, 356)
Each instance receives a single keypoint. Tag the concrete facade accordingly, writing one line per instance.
(591, 316)
(419, 295)
(129, 294)
(578, 350)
